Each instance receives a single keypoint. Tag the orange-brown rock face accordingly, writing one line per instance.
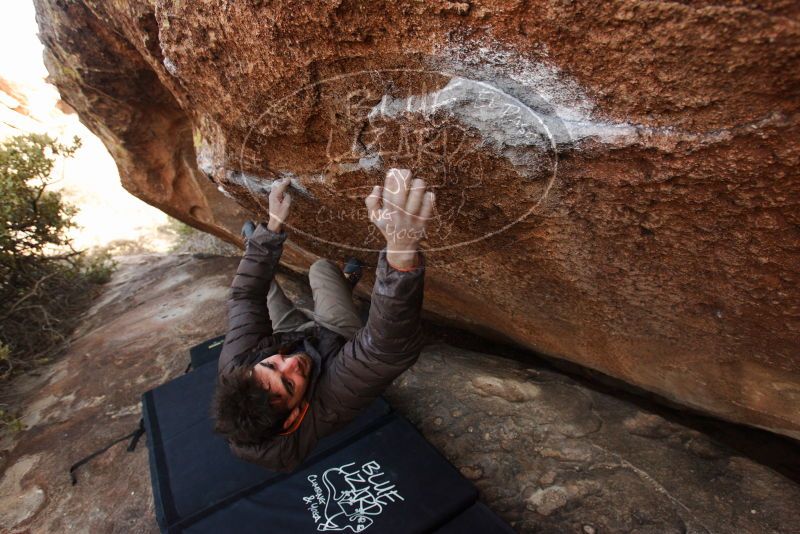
(617, 184)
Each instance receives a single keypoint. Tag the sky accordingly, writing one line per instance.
(18, 33)
(90, 180)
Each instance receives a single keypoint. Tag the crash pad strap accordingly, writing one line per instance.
(133, 436)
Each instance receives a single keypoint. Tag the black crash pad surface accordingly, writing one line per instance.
(378, 474)
(207, 351)
(389, 481)
(191, 467)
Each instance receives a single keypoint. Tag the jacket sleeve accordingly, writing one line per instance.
(386, 346)
(248, 316)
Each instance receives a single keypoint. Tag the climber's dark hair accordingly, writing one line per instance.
(241, 409)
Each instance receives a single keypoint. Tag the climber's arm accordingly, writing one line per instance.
(248, 316)
(392, 338)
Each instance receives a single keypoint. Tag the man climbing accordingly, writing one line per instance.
(287, 377)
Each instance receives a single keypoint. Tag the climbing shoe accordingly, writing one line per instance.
(353, 270)
(247, 229)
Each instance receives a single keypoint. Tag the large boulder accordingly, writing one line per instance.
(617, 184)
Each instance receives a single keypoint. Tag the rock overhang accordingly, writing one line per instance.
(652, 235)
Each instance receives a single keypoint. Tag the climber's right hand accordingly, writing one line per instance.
(279, 203)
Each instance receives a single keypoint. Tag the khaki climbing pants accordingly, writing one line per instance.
(333, 303)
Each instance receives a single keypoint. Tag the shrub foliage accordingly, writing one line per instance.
(45, 283)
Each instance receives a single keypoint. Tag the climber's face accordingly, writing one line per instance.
(286, 377)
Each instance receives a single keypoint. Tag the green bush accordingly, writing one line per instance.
(45, 283)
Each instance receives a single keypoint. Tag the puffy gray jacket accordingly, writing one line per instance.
(348, 374)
